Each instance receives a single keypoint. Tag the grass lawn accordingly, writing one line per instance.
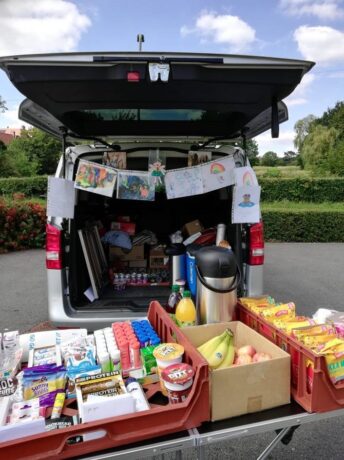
(281, 171)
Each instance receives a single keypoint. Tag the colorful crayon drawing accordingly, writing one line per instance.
(198, 158)
(218, 174)
(246, 203)
(95, 178)
(134, 185)
(117, 160)
(245, 176)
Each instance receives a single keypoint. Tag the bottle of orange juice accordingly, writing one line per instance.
(186, 311)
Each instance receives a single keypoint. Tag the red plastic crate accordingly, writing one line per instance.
(127, 429)
(311, 386)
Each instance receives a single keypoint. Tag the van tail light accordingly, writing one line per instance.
(256, 247)
(53, 247)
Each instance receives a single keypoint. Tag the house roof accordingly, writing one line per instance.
(6, 138)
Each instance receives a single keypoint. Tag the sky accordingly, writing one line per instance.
(300, 29)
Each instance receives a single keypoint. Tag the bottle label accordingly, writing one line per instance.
(185, 323)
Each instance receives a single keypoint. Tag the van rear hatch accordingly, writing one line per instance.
(154, 94)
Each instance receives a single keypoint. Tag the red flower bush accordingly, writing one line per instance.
(22, 225)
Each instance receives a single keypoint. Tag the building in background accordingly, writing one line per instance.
(8, 134)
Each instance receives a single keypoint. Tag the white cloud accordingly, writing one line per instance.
(322, 9)
(339, 74)
(280, 145)
(298, 97)
(40, 26)
(222, 29)
(322, 44)
(9, 119)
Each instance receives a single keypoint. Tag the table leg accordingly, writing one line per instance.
(273, 443)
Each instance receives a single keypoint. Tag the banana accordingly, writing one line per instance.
(217, 352)
(229, 357)
(209, 346)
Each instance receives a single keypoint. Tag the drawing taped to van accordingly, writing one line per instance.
(95, 178)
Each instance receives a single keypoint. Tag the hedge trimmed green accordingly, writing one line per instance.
(314, 190)
(30, 186)
(302, 225)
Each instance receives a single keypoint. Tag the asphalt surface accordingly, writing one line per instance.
(311, 275)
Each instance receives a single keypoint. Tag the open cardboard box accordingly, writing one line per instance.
(248, 388)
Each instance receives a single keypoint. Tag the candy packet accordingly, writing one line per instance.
(287, 325)
(253, 303)
(43, 382)
(283, 311)
(334, 355)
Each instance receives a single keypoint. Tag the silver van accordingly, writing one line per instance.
(138, 103)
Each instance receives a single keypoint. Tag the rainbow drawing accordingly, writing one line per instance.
(217, 168)
(247, 178)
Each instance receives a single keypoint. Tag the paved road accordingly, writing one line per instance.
(309, 274)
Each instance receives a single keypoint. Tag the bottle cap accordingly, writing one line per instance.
(187, 294)
(175, 288)
(130, 380)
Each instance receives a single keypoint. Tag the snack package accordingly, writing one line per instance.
(72, 376)
(317, 342)
(287, 325)
(79, 354)
(254, 303)
(105, 384)
(25, 410)
(283, 311)
(318, 329)
(44, 382)
(334, 355)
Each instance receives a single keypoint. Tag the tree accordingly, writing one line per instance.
(252, 151)
(290, 158)
(302, 128)
(334, 118)
(38, 147)
(318, 150)
(3, 107)
(269, 159)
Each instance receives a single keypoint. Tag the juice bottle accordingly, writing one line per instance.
(173, 300)
(186, 311)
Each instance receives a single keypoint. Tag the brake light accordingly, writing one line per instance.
(256, 248)
(53, 247)
(133, 77)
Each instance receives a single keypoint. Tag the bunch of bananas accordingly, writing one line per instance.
(219, 351)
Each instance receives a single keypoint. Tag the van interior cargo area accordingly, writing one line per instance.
(162, 217)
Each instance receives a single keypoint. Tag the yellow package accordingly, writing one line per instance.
(252, 302)
(283, 311)
(318, 329)
(287, 325)
(334, 355)
(317, 342)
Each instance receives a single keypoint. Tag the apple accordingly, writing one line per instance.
(246, 350)
(243, 359)
(259, 357)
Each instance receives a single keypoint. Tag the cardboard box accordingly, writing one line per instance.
(193, 227)
(244, 389)
(137, 253)
(128, 227)
(158, 258)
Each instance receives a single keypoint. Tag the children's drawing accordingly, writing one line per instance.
(217, 174)
(245, 176)
(184, 182)
(157, 169)
(245, 208)
(246, 203)
(95, 178)
(198, 158)
(135, 185)
(117, 160)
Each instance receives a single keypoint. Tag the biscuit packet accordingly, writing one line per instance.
(283, 311)
(318, 329)
(334, 355)
(256, 303)
(287, 325)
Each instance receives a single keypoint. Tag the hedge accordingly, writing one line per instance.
(303, 226)
(22, 225)
(30, 186)
(314, 190)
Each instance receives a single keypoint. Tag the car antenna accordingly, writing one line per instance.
(140, 39)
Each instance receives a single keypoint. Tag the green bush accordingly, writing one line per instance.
(314, 190)
(22, 224)
(30, 186)
(294, 225)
